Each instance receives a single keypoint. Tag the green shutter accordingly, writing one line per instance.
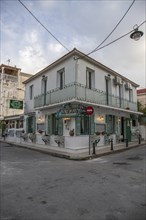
(34, 124)
(78, 126)
(26, 125)
(31, 124)
(60, 126)
(92, 124)
(49, 124)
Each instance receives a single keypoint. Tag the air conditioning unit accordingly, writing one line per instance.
(117, 80)
(128, 86)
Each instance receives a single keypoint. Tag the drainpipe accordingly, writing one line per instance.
(76, 72)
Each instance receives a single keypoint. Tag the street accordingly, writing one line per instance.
(36, 186)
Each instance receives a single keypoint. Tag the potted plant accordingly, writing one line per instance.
(71, 132)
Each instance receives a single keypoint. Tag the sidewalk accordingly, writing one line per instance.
(77, 154)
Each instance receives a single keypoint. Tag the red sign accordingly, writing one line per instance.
(89, 110)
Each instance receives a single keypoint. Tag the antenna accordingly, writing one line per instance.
(8, 61)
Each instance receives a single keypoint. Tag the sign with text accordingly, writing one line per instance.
(16, 104)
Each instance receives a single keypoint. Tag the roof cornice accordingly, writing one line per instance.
(83, 56)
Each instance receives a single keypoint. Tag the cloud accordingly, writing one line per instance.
(80, 24)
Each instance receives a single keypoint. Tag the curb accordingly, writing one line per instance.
(69, 157)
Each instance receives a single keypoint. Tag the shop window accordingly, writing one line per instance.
(31, 122)
(133, 123)
(57, 125)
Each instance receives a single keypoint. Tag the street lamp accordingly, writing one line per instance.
(136, 34)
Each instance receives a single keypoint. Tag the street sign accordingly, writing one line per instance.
(89, 110)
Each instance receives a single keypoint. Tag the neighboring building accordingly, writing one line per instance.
(141, 96)
(57, 97)
(12, 91)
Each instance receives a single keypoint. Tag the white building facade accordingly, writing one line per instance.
(56, 99)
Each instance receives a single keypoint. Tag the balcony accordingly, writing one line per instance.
(80, 92)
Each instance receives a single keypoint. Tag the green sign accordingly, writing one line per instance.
(16, 104)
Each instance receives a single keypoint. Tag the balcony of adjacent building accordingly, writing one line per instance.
(78, 92)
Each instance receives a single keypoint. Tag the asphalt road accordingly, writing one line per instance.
(36, 186)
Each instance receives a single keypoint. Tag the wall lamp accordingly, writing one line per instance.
(136, 34)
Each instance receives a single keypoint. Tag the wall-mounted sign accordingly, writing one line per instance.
(70, 110)
(16, 104)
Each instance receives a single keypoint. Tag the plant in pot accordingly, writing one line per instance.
(71, 132)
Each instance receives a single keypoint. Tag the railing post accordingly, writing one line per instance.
(126, 142)
(111, 144)
(139, 139)
(93, 147)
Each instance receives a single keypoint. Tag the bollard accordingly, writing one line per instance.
(111, 144)
(139, 139)
(126, 142)
(94, 148)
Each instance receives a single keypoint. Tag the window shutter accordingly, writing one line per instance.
(34, 124)
(49, 124)
(78, 126)
(30, 124)
(60, 126)
(27, 125)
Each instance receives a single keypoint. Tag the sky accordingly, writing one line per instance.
(76, 24)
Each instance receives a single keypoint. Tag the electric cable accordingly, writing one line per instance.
(124, 35)
(113, 29)
(43, 25)
(119, 38)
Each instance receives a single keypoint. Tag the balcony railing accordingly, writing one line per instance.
(81, 92)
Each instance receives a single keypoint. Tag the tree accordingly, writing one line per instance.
(141, 108)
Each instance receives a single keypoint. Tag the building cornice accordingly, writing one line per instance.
(82, 56)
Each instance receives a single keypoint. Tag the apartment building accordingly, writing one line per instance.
(12, 92)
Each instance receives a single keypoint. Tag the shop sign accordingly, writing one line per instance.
(70, 111)
(16, 104)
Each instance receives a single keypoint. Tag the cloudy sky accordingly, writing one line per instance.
(80, 24)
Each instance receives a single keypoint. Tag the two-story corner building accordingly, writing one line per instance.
(12, 91)
(57, 97)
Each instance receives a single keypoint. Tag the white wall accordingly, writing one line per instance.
(51, 75)
(73, 67)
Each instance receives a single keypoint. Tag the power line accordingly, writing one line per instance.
(118, 38)
(43, 25)
(124, 35)
(113, 29)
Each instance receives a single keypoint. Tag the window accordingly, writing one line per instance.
(130, 95)
(84, 125)
(90, 78)
(108, 90)
(120, 95)
(61, 78)
(31, 92)
(30, 124)
(44, 88)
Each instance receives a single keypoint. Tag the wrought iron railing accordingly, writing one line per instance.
(81, 92)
